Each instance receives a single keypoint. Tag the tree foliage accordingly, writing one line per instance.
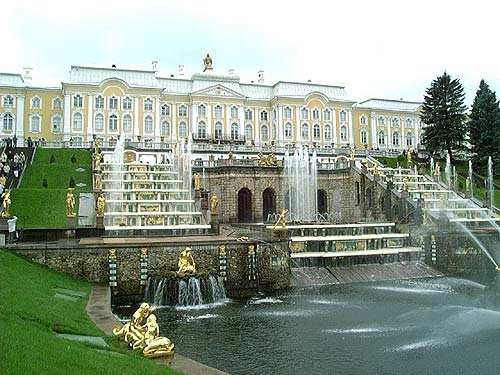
(444, 113)
(484, 127)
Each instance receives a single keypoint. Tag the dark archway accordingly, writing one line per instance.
(322, 202)
(268, 203)
(369, 198)
(244, 206)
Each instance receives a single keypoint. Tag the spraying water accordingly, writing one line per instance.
(447, 170)
(490, 181)
(478, 243)
(470, 179)
(116, 182)
(432, 166)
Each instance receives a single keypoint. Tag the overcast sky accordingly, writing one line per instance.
(379, 48)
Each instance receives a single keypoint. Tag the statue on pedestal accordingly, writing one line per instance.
(6, 203)
(353, 154)
(70, 203)
(101, 202)
(281, 220)
(214, 203)
(408, 158)
(437, 169)
(98, 181)
(97, 156)
(208, 63)
(197, 181)
(186, 262)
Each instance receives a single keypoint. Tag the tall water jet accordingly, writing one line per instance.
(454, 178)
(182, 157)
(115, 194)
(490, 181)
(447, 170)
(432, 166)
(470, 180)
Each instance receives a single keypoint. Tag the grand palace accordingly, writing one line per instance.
(141, 105)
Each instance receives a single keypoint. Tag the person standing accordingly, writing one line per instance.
(12, 229)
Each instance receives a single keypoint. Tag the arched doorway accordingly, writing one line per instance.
(244, 206)
(268, 203)
(322, 202)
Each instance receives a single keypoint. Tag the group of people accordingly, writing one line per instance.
(11, 163)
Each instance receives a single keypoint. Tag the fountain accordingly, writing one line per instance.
(490, 182)
(431, 171)
(471, 180)
(302, 184)
(447, 170)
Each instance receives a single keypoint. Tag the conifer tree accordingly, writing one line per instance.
(444, 113)
(484, 127)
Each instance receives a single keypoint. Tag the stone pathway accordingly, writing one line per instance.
(99, 310)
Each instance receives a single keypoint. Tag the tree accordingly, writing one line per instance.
(444, 113)
(484, 127)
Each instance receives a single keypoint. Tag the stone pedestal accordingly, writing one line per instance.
(71, 223)
(197, 194)
(214, 223)
(99, 222)
(376, 177)
(404, 194)
(281, 233)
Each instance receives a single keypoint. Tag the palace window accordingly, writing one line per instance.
(248, 132)
(381, 138)
(315, 114)
(304, 114)
(57, 103)
(218, 130)
(362, 120)
(127, 103)
(35, 123)
(127, 123)
(148, 104)
(305, 131)
(165, 110)
(316, 131)
(328, 132)
(264, 133)
(343, 133)
(8, 100)
(409, 139)
(363, 135)
(78, 101)
(395, 122)
(148, 124)
(8, 121)
(395, 139)
(234, 112)
(77, 122)
(263, 116)
(218, 111)
(182, 111)
(202, 130)
(99, 122)
(35, 102)
(248, 115)
(288, 130)
(381, 121)
(99, 102)
(409, 123)
(234, 130)
(327, 115)
(343, 116)
(202, 110)
(165, 129)
(113, 123)
(56, 124)
(113, 102)
(288, 113)
(182, 129)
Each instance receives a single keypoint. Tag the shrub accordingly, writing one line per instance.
(71, 182)
(45, 183)
(52, 159)
(73, 159)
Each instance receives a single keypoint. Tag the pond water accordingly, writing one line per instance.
(433, 326)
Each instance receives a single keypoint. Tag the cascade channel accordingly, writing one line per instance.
(193, 291)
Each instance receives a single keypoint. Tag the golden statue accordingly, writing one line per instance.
(154, 344)
(98, 181)
(281, 219)
(467, 184)
(214, 203)
(134, 330)
(186, 262)
(408, 158)
(97, 160)
(101, 202)
(437, 169)
(208, 63)
(6, 203)
(70, 203)
(197, 181)
(404, 187)
(3, 180)
(97, 149)
(376, 169)
(353, 153)
(266, 161)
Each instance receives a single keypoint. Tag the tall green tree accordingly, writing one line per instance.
(484, 127)
(444, 113)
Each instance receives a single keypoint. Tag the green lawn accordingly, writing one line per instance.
(38, 206)
(30, 317)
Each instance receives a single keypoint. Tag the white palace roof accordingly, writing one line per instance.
(390, 105)
(11, 80)
(90, 75)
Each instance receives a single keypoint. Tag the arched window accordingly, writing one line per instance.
(56, 123)
(99, 102)
(113, 123)
(99, 122)
(263, 116)
(77, 121)
(381, 121)
(8, 100)
(288, 113)
(218, 111)
(35, 102)
(409, 139)
(165, 110)
(218, 130)
(234, 131)
(127, 124)
(202, 130)
(362, 120)
(316, 131)
(202, 110)
(304, 113)
(248, 132)
(288, 130)
(148, 124)
(57, 103)
(328, 132)
(343, 116)
(113, 102)
(234, 112)
(182, 111)
(395, 139)
(165, 129)
(363, 135)
(248, 114)
(369, 197)
(78, 101)
(343, 133)
(395, 122)
(381, 137)
(127, 103)
(327, 115)
(8, 121)
(358, 195)
(409, 122)
(305, 131)
(182, 129)
(264, 133)
(35, 123)
(148, 104)
(315, 114)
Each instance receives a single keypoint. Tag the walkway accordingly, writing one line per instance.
(99, 310)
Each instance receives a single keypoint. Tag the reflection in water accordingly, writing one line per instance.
(436, 326)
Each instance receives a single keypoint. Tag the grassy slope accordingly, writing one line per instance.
(36, 206)
(30, 315)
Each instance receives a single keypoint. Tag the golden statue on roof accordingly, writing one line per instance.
(208, 63)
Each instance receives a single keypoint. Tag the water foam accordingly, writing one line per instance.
(206, 316)
(408, 290)
(270, 300)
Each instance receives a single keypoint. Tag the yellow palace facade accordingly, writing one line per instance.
(142, 106)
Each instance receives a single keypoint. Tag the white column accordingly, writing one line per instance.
(241, 118)
(209, 120)
(374, 131)
(90, 121)
(296, 125)
(193, 127)
(334, 126)
(173, 125)
(256, 134)
(67, 117)
(157, 120)
(351, 128)
(403, 135)
(389, 133)
(20, 120)
(136, 118)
